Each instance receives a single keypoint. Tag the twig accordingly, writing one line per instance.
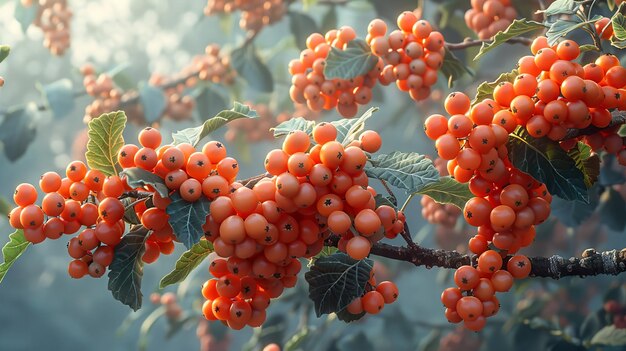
(619, 118)
(136, 194)
(468, 43)
(555, 267)
(252, 181)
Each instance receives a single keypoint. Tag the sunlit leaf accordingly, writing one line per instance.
(349, 129)
(610, 336)
(355, 60)
(406, 170)
(293, 124)
(485, 89)
(105, 141)
(561, 7)
(187, 262)
(448, 191)
(12, 250)
(515, 29)
(586, 162)
(4, 52)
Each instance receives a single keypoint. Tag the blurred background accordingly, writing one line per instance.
(143, 41)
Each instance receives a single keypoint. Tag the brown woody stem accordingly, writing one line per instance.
(619, 118)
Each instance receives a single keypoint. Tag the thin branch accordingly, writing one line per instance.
(252, 181)
(592, 263)
(619, 118)
(136, 194)
(468, 43)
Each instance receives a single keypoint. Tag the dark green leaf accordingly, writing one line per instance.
(573, 213)
(587, 163)
(17, 131)
(4, 52)
(138, 177)
(209, 102)
(515, 29)
(130, 216)
(12, 251)
(293, 124)
(385, 200)
(194, 135)
(357, 59)
(619, 25)
(126, 270)
(611, 210)
(5, 207)
(562, 27)
(301, 25)
(59, 97)
(249, 66)
(25, 15)
(547, 162)
(187, 218)
(153, 102)
(349, 129)
(610, 336)
(561, 7)
(187, 262)
(326, 251)
(406, 170)
(485, 89)
(448, 191)
(105, 141)
(336, 280)
(452, 68)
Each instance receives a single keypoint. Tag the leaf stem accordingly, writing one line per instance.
(468, 43)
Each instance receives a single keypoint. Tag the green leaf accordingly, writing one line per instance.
(547, 162)
(611, 210)
(105, 141)
(326, 251)
(209, 102)
(121, 77)
(187, 218)
(4, 52)
(17, 131)
(59, 97)
(485, 89)
(349, 129)
(355, 60)
(610, 336)
(249, 66)
(5, 207)
(515, 29)
(295, 342)
(187, 262)
(406, 170)
(618, 21)
(453, 69)
(290, 125)
(562, 27)
(12, 251)
(587, 163)
(126, 270)
(385, 200)
(137, 178)
(153, 101)
(448, 191)
(301, 26)
(25, 15)
(561, 7)
(336, 280)
(130, 216)
(588, 47)
(194, 135)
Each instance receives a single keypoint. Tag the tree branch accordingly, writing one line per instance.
(468, 43)
(556, 267)
(619, 118)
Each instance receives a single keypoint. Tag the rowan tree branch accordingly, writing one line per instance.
(468, 43)
(619, 118)
(592, 263)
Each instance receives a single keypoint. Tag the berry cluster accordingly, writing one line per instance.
(83, 198)
(260, 232)
(101, 87)
(412, 54)
(53, 18)
(374, 299)
(488, 17)
(214, 66)
(255, 14)
(173, 310)
(310, 86)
